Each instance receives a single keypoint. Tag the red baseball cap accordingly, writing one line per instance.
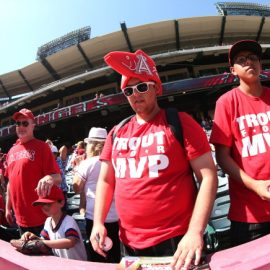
(134, 65)
(23, 112)
(55, 195)
(244, 45)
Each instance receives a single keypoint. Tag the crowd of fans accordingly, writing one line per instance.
(139, 180)
(73, 163)
(79, 168)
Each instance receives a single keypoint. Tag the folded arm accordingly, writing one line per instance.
(260, 186)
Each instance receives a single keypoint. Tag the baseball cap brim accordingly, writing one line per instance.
(42, 201)
(244, 45)
(16, 115)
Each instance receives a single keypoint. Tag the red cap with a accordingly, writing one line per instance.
(55, 195)
(134, 65)
(23, 112)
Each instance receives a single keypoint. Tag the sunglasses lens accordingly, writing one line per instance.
(23, 123)
(142, 87)
(128, 91)
(253, 57)
(243, 59)
(240, 60)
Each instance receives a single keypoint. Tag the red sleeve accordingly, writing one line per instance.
(107, 149)
(221, 130)
(195, 139)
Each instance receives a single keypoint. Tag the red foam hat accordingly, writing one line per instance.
(55, 195)
(25, 113)
(134, 65)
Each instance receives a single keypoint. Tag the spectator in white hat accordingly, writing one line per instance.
(85, 181)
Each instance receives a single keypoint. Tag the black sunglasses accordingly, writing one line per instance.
(22, 123)
(241, 60)
(140, 87)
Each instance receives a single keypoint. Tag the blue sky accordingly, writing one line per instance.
(27, 24)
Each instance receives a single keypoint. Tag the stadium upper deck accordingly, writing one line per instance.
(185, 50)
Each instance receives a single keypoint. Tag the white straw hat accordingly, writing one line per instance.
(54, 149)
(96, 134)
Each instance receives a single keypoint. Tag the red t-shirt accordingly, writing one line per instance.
(154, 191)
(26, 165)
(241, 122)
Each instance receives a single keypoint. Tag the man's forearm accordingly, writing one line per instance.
(8, 199)
(226, 162)
(204, 204)
(104, 196)
(57, 179)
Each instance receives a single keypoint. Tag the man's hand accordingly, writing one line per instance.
(262, 189)
(44, 186)
(190, 247)
(29, 236)
(9, 216)
(97, 239)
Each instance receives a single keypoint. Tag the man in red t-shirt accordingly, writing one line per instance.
(31, 171)
(149, 172)
(241, 137)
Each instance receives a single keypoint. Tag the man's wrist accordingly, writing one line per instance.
(49, 179)
(8, 208)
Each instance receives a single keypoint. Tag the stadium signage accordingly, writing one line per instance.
(182, 86)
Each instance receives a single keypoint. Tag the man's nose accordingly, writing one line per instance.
(136, 92)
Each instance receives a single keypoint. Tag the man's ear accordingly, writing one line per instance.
(62, 203)
(158, 89)
(233, 71)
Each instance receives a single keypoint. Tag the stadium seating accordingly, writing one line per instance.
(219, 221)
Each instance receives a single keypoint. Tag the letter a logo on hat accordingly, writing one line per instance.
(142, 65)
(134, 65)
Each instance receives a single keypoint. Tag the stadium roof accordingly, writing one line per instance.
(63, 42)
(181, 38)
(240, 8)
